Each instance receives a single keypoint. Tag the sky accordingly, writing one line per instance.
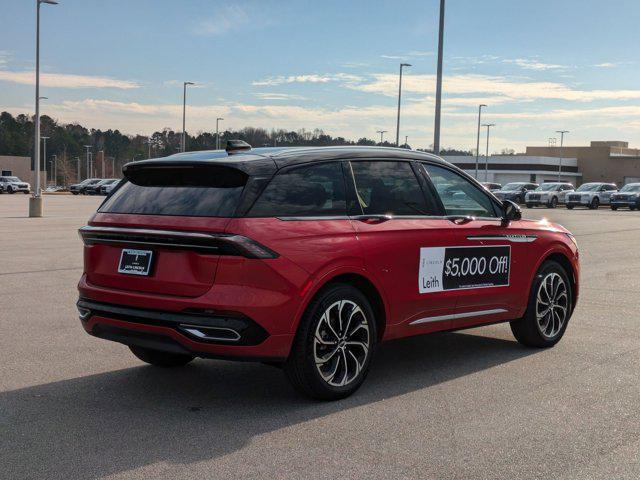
(539, 65)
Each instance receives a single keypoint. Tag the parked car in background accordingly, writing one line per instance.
(96, 188)
(492, 187)
(307, 258)
(627, 197)
(107, 183)
(515, 191)
(549, 194)
(591, 195)
(107, 189)
(11, 184)
(80, 188)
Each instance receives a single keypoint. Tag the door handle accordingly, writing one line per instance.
(372, 218)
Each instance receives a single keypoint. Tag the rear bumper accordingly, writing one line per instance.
(199, 335)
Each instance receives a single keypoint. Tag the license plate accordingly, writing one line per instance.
(135, 262)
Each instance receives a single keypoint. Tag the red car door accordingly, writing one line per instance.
(396, 224)
(492, 262)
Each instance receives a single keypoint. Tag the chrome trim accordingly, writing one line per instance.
(456, 316)
(509, 238)
(197, 331)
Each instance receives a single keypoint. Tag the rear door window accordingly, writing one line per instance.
(389, 188)
(310, 191)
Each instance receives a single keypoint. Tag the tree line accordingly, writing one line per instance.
(111, 149)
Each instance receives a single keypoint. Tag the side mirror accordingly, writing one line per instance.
(511, 211)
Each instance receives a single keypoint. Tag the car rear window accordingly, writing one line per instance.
(211, 191)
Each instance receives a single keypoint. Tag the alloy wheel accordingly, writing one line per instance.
(552, 305)
(342, 343)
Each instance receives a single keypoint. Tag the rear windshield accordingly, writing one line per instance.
(212, 191)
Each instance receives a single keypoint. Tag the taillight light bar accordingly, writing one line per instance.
(212, 243)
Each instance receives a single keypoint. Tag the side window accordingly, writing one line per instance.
(314, 190)
(389, 187)
(458, 195)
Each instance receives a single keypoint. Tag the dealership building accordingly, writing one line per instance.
(601, 161)
(14, 166)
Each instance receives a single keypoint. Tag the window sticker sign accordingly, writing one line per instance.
(456, 268)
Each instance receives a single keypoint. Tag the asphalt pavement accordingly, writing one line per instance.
(466, 405)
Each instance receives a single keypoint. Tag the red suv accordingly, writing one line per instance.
(307, 258)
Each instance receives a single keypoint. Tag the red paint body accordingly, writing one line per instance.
(275, 292)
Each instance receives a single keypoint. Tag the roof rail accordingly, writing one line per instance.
(236, 146)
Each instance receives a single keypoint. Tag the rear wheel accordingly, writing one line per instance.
(548, 310)
(332, 351)
(529, 205)
(595, 203)
(159, 358)
(569, 207)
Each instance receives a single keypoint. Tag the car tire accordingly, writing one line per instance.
(518, 200)
(159, 358)
(632, 208)
(553, 203)
(569, 207)
(74, 193)
(529, 205)
(26, 193)
(11, 190)
(595, 203)
(551, 286)
(327, 334)
(614, 208)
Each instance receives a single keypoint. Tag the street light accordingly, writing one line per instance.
(561, 132)
(399, 96)
(406, 140)
(436, 130)
(218, 133)
(381, 132)
(44, 153)
(55, 169)
(184, 112)
(478, 139)
(87, 147)
(486, 156)
(35, 202)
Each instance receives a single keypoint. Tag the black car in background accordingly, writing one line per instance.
(515, 191)
(81, 188)
(627, 197)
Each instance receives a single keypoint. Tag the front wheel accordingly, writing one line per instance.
(529, 205)
(614, 208)
(595, 203)
(332, 351)
(569, 207)
(518, 200)
(554, 202)
(11, 190)
(549, 308)
(159, 358)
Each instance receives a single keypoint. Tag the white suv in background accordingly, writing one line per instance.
(12, 184)
(591, 195)
(549, 194)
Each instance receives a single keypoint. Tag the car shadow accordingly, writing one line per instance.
(103, 424)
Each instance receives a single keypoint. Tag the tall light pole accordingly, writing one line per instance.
(149, 142)
(381, 132)
(78, 169)
(87, 147)
(561, 132)
(35, 202)
(486, 155)
(399, 97)
(184, 113)
(218, 133)
(436, 130)
(44, 154)
(478, 139)
(55, 169)
(406, 140)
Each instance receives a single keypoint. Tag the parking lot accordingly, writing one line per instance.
(472, 404)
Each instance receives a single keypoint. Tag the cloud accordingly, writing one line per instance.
(312, 78)
(4, 58)
(278, 96)
(606, 65)
(63, 80)
(225, 19)
(411, 54)
(532, 64)
(497, 86)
